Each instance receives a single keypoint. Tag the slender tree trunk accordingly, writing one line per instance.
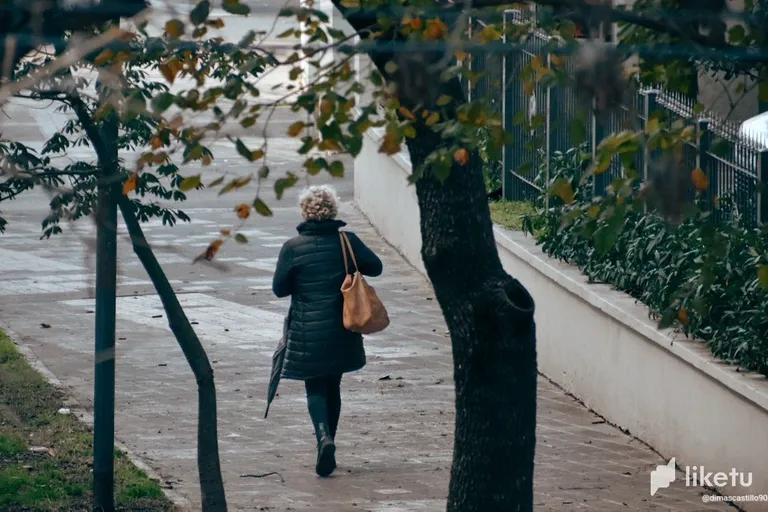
(211, 485)
(489, 313)
(209, 469)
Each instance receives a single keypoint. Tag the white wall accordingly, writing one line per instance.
(599, 345)
(384, 196)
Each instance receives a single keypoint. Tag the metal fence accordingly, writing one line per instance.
(541, 122)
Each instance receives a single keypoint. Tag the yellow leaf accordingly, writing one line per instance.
(461, 156)
(174, 28)
(489, 33)
(130, 184)
(565, 191)
(460, 56)
(444, 100)
(415, 23)
(295, 129)
(326, 107)
(157, 142)
(225, 231)
(217, 23)
(537, 63)
(762, 276)
(258, 154)
(207, 160)
(391, 144)
(603, 165)
(652, 126)
(556, 60)
(406, 113)
(243, 211)
(594, 210)
(331, 145)
(699, 179)
(350, 4)
(682, 315)
(432, 119)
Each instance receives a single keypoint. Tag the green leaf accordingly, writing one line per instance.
(736, 34)
(189, 183)
(241, 238)
(282, 184)
(235, 7)
(262, 208)
(162, 102)
(336, 169)
(763, 90)
(200, 13)
(243, 150)
(444, 100)
(263, 172)
(215, 183)
(287, 33)
(390, 67)
(376, 79)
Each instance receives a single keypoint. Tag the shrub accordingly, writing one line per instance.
(700, 277)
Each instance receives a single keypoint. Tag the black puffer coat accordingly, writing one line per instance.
(310, 269)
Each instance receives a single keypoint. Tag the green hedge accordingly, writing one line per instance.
(701, 277)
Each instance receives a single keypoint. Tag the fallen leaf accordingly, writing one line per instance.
(225, 231)
(45, 326)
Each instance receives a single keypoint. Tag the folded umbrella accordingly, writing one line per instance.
(278, 358)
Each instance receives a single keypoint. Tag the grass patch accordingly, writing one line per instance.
(509, 214)
(60, 479)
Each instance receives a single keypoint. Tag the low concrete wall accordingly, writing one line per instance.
(600, 346)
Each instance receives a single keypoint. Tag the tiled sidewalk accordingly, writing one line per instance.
(394, 442)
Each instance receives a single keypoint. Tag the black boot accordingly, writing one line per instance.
(326, 449)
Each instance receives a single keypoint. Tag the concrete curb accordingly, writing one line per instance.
(181, 503)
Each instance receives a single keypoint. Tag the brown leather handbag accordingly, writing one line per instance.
(364, 312)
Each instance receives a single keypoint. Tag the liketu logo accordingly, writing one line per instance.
(697, 476)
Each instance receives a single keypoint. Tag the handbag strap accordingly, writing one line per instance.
(346, 245)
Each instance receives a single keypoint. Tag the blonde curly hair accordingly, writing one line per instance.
(319, 202)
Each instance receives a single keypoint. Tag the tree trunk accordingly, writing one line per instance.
(211, 485)
(489, 313)
(490, 319)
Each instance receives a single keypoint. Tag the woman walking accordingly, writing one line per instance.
(311, 269)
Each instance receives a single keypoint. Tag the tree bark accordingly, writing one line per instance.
(489, 314)
(209, 469)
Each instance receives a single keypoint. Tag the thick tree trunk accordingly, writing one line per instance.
(490, 318)
(489, 314)
(211, 485)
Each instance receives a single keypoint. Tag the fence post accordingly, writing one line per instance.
(598, 134)
(649, 107)
(550, 106)
(704, 161)
(762, 187)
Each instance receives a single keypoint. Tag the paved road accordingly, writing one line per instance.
(395, 437)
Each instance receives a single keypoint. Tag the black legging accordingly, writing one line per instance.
(324, 401)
